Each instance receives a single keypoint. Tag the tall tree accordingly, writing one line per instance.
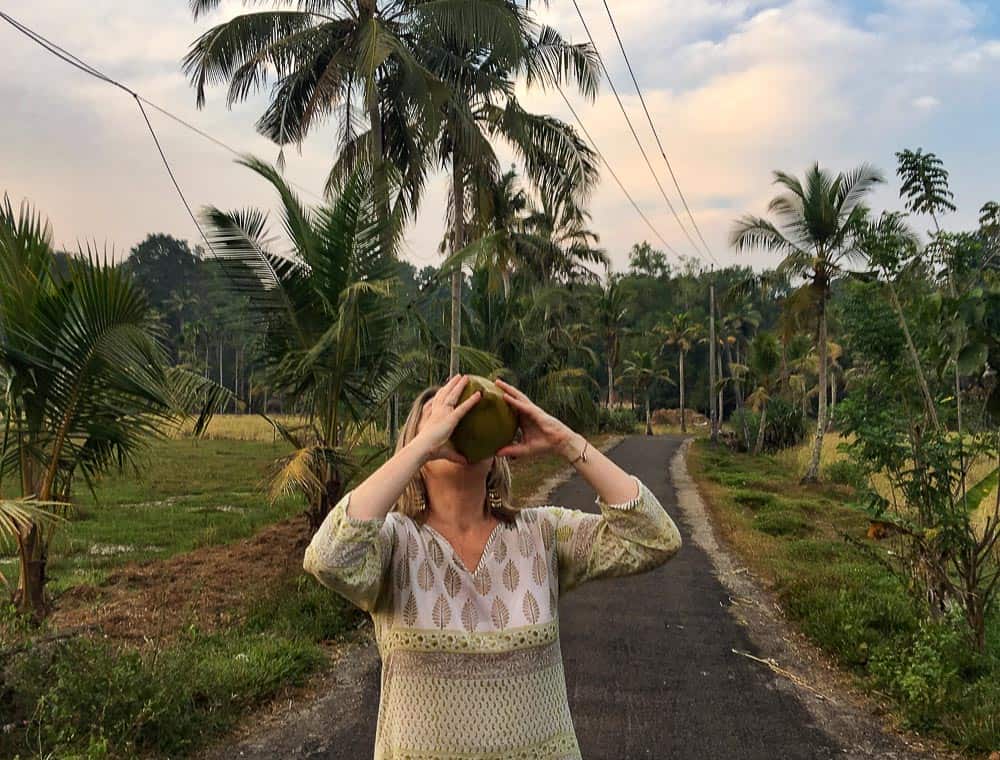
(330, 325)
(482, 107)
(611, 314)
(816, 218)
(682, 333)
(334, 57)
(643, 369)
(764, 363)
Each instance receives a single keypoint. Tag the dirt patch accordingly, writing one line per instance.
(148, 603)
(860, 721)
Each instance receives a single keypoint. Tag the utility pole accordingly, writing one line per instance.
(713, 398)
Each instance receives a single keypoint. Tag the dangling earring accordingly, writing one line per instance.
(421, 500)
(495, 501)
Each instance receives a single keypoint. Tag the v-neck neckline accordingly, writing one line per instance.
(486, 547)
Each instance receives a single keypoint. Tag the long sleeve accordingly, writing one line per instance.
(351, 555)
(626, 538)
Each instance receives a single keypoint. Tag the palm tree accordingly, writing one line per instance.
(481, 107)
(643, 369)
(330, 320)
(764, 362)
(87, 385)
(816, 218)
(682, 333)
(333, 57)
(546, 243)
(611, 311)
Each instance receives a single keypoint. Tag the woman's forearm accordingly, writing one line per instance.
(613, 484)
(373, 498)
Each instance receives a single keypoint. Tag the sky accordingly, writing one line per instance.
(736, 88)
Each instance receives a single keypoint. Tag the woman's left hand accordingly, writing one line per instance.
(541, 432)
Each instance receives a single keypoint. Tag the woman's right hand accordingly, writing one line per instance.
(440, 415)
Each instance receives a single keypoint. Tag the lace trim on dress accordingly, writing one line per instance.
(431, 640)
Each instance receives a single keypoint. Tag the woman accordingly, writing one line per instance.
(463, 588)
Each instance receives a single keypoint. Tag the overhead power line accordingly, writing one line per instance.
(82, 65)
(656, 135)
(635, 136)
(600, 155)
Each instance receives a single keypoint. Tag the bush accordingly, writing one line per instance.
(846, 472)
(620, 420)
(781, 522)
(786, 426)
(90, 699)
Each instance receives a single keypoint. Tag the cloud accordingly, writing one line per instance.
(737, 88)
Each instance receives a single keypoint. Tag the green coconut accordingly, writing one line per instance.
(488, 426)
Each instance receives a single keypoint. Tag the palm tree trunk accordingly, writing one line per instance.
(760, 430)
(681, 373)
(611, 384)
(29, 597)
(833, 398)
(379, 182)
(738, 395)
(649, 420)
(812, 474)
(721, 405)
(458, 199)
(914, 357)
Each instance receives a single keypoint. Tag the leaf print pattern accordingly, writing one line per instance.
(530, 607)
(425, 575)
(483, 581)
(403, 576)
(441, 614)
(500, 549)
(435, 552)
(411, 547)
(548, 534)
(510, 575)
(470, 616)
(452, 581)
(553, 603)
(524, 543)
(538, 570)
(410, 610)
(499, 614)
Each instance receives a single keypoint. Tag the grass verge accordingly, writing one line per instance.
(793, 537)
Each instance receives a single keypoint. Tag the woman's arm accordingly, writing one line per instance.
(633, 532)
(376, 495)
(351, 551)
(543, 433)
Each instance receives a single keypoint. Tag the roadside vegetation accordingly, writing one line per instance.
(809, 543)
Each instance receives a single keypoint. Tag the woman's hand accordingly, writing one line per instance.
(541, 432)
(439, 417)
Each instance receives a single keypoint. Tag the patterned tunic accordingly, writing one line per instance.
(471, 664)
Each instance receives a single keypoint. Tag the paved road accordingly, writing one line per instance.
(649, 667)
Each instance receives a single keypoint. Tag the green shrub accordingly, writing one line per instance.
(786, 426)
(846, 472)
(753, 499)
(925, 674)
(781, 522)
(620, 420)
(88, 698)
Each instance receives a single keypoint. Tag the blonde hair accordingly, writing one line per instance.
(415, 491)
